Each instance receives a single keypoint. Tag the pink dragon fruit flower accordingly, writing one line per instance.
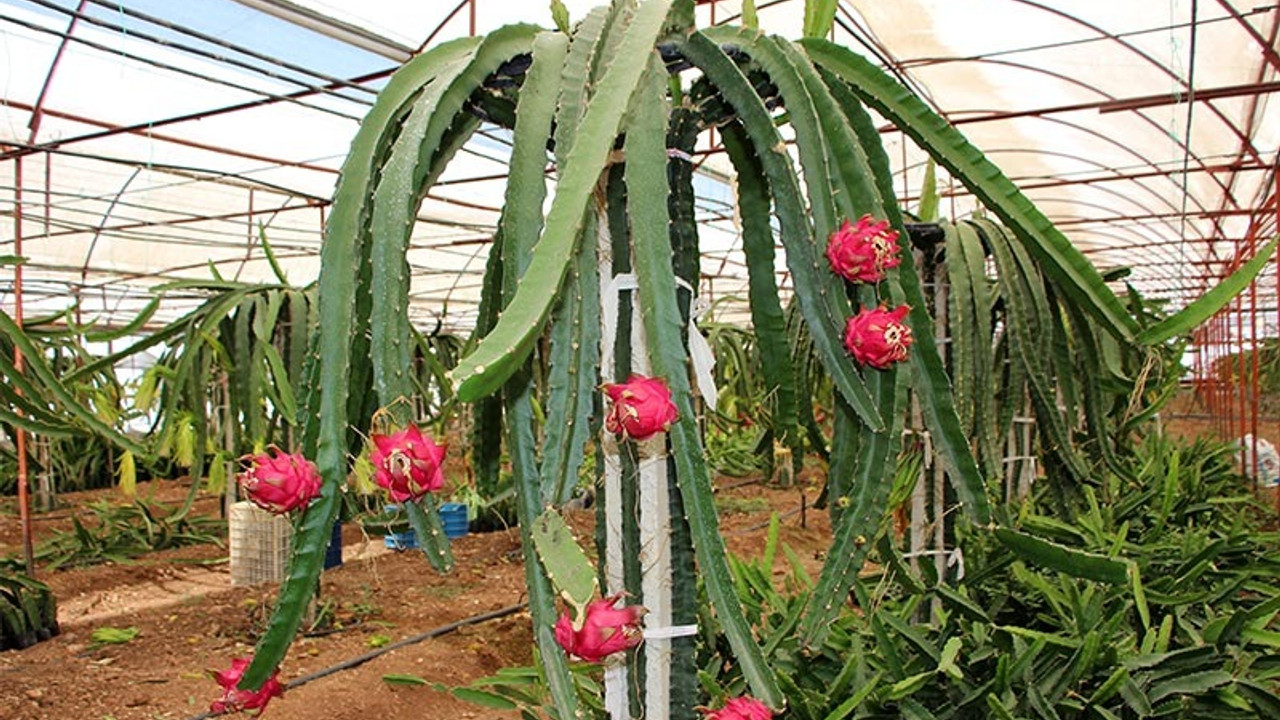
(877, 336)
(279, 482)
(740, 708)
(604, 630)
(642, 407)
(407, 463)
(236, 700)
(861, 253)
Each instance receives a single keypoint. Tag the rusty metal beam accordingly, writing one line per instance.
(143, 130)
(1199, 95)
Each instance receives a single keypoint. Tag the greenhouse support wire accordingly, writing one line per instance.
(373, 654)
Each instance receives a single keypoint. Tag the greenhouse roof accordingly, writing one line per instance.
(148, 141)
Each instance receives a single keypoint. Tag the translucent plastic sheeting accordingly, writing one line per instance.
(169, 133)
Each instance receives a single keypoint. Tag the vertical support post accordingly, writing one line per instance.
(47, 487)
(45, 497)
(1237, 398)
(1223, 391)
(615, 674)
(919, 495)
(250, 236)
(939, 490)
(654, 529)
(24, 496)
(655, 546)
(228, 438)
(1275, 203)
(33, 125)
(1027, 474)
(1254, 349)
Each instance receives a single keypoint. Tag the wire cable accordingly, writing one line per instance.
(249, 52)
(175, 69)
(1185, 184)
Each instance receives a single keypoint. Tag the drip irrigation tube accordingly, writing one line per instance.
(362, 659)
(781, 516)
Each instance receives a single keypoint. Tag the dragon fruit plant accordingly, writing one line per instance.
(603, 282)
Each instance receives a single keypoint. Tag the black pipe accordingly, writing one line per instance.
(362, 659)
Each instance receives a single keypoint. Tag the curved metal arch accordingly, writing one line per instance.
(1116, 177)
(102, 222)
(884, 55)
(1098, 188)
(1142, 160)
(1150, 219)
(1162, 242)
(1142, 273)
(1138, 112)
(1148, 274)
(115, 275)
(1272, 57)
(1245, 140)
(1110, 221)
(1088, 161)
(1268, 49)
(1150, 239)
(440, 27)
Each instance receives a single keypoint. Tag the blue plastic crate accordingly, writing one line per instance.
(454, 517)
(406, 540)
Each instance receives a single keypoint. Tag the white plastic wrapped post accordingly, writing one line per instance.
(700, 354)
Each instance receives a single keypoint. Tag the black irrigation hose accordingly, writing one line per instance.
(362, 659)
(738, 484)
(448, 628)
(765, 524)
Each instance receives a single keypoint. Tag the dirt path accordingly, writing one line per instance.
(190, 620)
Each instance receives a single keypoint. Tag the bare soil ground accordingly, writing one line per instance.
(190, 620)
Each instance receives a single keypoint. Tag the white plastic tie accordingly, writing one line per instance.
(955, 558)
(700, 353)
(667, 633)
(609, 313)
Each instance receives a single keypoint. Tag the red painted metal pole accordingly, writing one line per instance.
(1237, 400)
(24, 495)
(1220, 366)
(1254, 360)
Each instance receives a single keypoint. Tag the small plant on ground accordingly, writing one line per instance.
(121, 533)
(28, 611)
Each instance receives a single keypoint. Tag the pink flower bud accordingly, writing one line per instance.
(278, 481)
(861, 253)
(740, 708)
(641, 408)
(605, 630)
(407, 463)
(236, 700)
(877, 336)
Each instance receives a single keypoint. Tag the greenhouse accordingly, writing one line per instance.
(800, 359)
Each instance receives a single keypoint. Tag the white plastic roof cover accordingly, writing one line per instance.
(168, 132)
